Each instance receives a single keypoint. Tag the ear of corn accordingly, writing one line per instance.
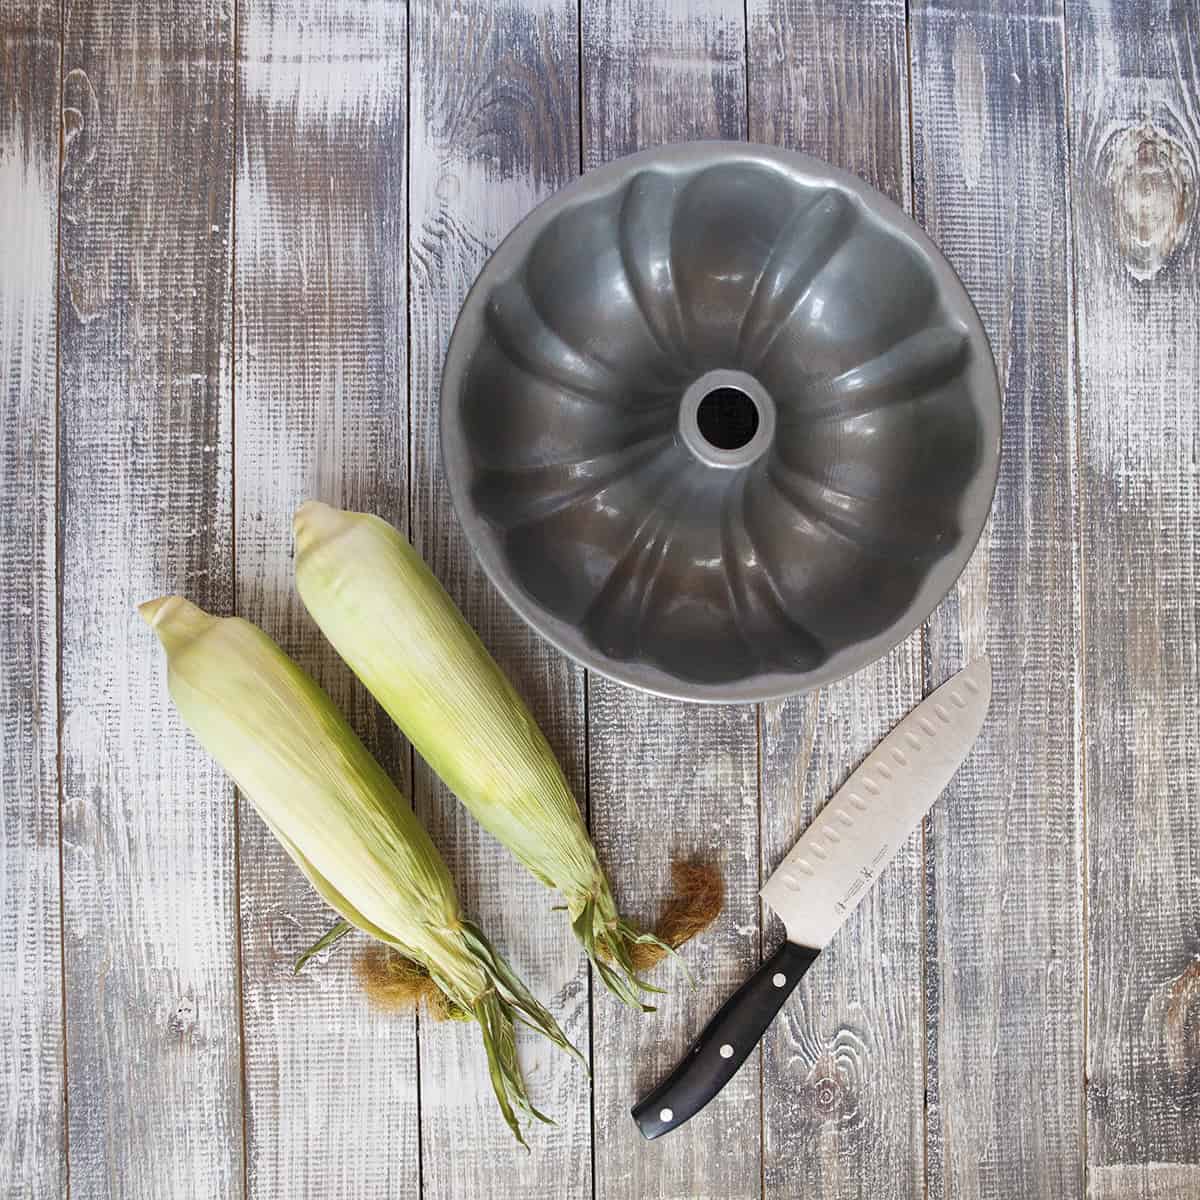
(342, 820)
(394, 624)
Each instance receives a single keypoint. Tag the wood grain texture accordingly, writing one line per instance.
(670, 780)
(843, 1066)
(1135, 135)
(154, 1095)
(1004, 862)
(32, 1125)
(175, 401)
(675, 781)
(321, 411)
(655, 73)
(831, 79)
(494, 129)
(1144, 1181)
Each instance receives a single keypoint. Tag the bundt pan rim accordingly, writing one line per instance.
(690, 158)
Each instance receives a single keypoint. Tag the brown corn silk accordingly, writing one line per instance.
(394, 982)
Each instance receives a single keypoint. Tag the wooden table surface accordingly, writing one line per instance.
(234, 236)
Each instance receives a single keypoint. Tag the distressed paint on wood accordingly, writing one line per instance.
(831, 79)
(494, 129)
(153, 1062)
(32, 1126)
(321, 412)
(843, 1107)
(670, 780)
(655, 73)
(145, 441)
(1004, 857)
(675, 781)
(1144, 1181)
(1135, 137)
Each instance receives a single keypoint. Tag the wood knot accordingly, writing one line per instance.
(285, 932)
(1183, 1020)
(81, 132)
(826, 1093)
(832, 1091)
(181, 1021)
(1152, 182)
(1171, 1031)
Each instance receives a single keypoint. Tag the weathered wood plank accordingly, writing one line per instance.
(670, 780)
(153, 1062)
(831, 79)
(656, 73)
(495, 128)
(1135, 136)
(32, 1126)
(1004, 858)
(321, 411)
(1144, 1181)
(843, 1082)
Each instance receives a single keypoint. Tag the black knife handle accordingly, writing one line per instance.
(715, 1056)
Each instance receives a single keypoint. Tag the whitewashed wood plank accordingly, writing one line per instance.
(670, 780)
(32, 1126)
(843, 1069)
(153, 1056)
(1135, 136)
(321, 411)
(831, 79)
(495, 128)
(1144, 1181)
(1004, 864)
(655, 73)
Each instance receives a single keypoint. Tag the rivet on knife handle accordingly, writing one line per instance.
(726, 1042)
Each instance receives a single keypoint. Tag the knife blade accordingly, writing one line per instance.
(825, 877)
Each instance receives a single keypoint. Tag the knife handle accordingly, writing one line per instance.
(725, 1043)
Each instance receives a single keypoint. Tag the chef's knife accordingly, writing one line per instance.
(824, 878)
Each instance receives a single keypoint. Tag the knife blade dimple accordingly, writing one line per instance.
(825, 876)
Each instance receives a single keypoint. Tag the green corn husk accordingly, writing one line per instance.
(343, 821)
(393, 623)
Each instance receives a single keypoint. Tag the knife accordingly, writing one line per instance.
(824, 879)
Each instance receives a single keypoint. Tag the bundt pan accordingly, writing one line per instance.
(721, 422)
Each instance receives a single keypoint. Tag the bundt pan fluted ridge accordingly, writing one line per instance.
(721, 422)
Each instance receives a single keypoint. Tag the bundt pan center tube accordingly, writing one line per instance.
(721, 422)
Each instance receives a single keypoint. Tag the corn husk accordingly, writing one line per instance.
(343, 821)
(394, 624)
